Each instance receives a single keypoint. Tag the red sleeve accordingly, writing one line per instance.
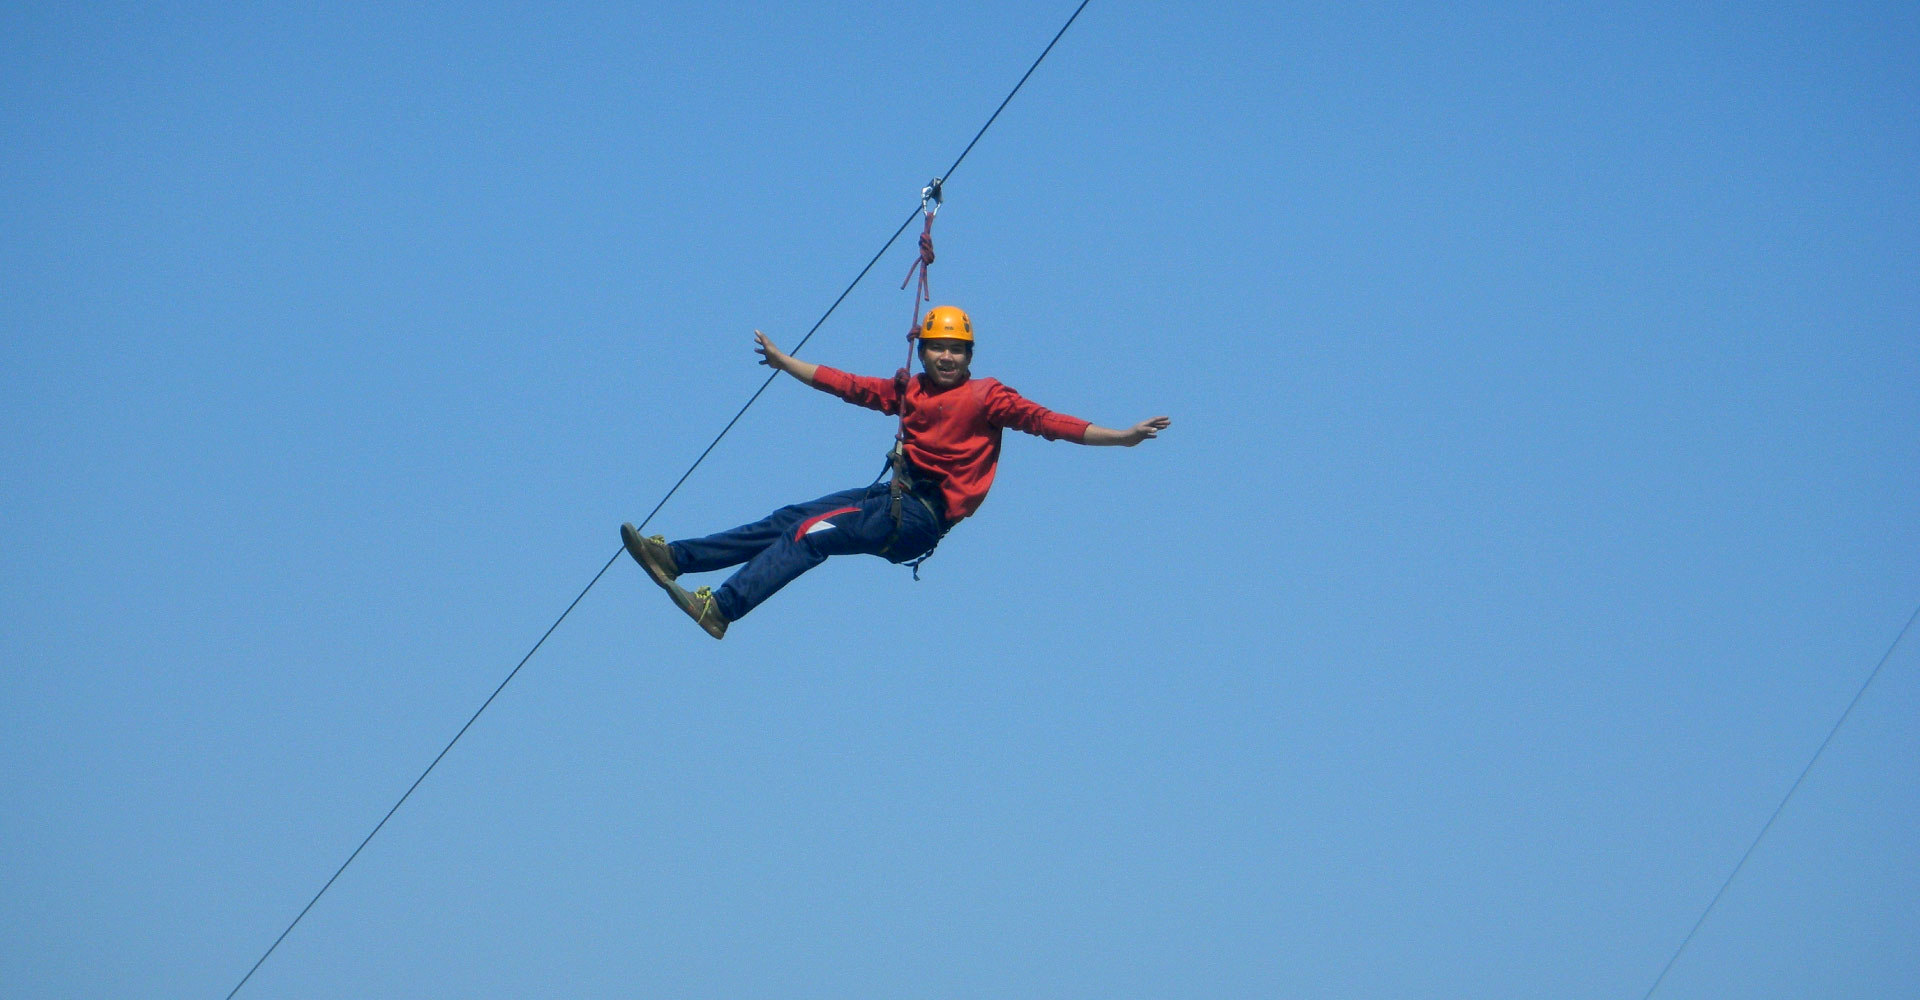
(860, 390)
(1007, 408)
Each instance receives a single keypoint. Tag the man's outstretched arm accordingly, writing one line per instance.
(860, 390)
(1126, 438)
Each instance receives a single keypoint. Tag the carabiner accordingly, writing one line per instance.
(930, 195)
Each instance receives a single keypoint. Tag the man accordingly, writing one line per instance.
(942, 468)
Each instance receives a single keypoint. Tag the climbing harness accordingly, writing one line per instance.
(924, 490)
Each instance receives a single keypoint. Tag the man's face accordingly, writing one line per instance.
(946, 361)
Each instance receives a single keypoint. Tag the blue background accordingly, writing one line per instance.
(1542, 485)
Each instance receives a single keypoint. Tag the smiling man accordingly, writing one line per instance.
(943, 466)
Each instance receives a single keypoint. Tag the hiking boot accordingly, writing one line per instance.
(699, 605)
(652, 554)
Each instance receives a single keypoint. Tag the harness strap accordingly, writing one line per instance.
(904, 484)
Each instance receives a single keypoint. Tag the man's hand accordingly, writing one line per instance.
(770, 355)
(1127, 438)
(1147, 428)
(778, 360)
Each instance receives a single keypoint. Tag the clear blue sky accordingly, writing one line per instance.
(1543, 482)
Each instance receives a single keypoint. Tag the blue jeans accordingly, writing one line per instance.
(786, 543)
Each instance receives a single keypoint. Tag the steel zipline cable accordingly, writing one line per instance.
(656, 509)
(1777, 810)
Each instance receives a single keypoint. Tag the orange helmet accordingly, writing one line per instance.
(947, 323)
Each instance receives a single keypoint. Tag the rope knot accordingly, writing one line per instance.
(921, 262)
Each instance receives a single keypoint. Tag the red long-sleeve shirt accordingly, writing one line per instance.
(954, 433)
